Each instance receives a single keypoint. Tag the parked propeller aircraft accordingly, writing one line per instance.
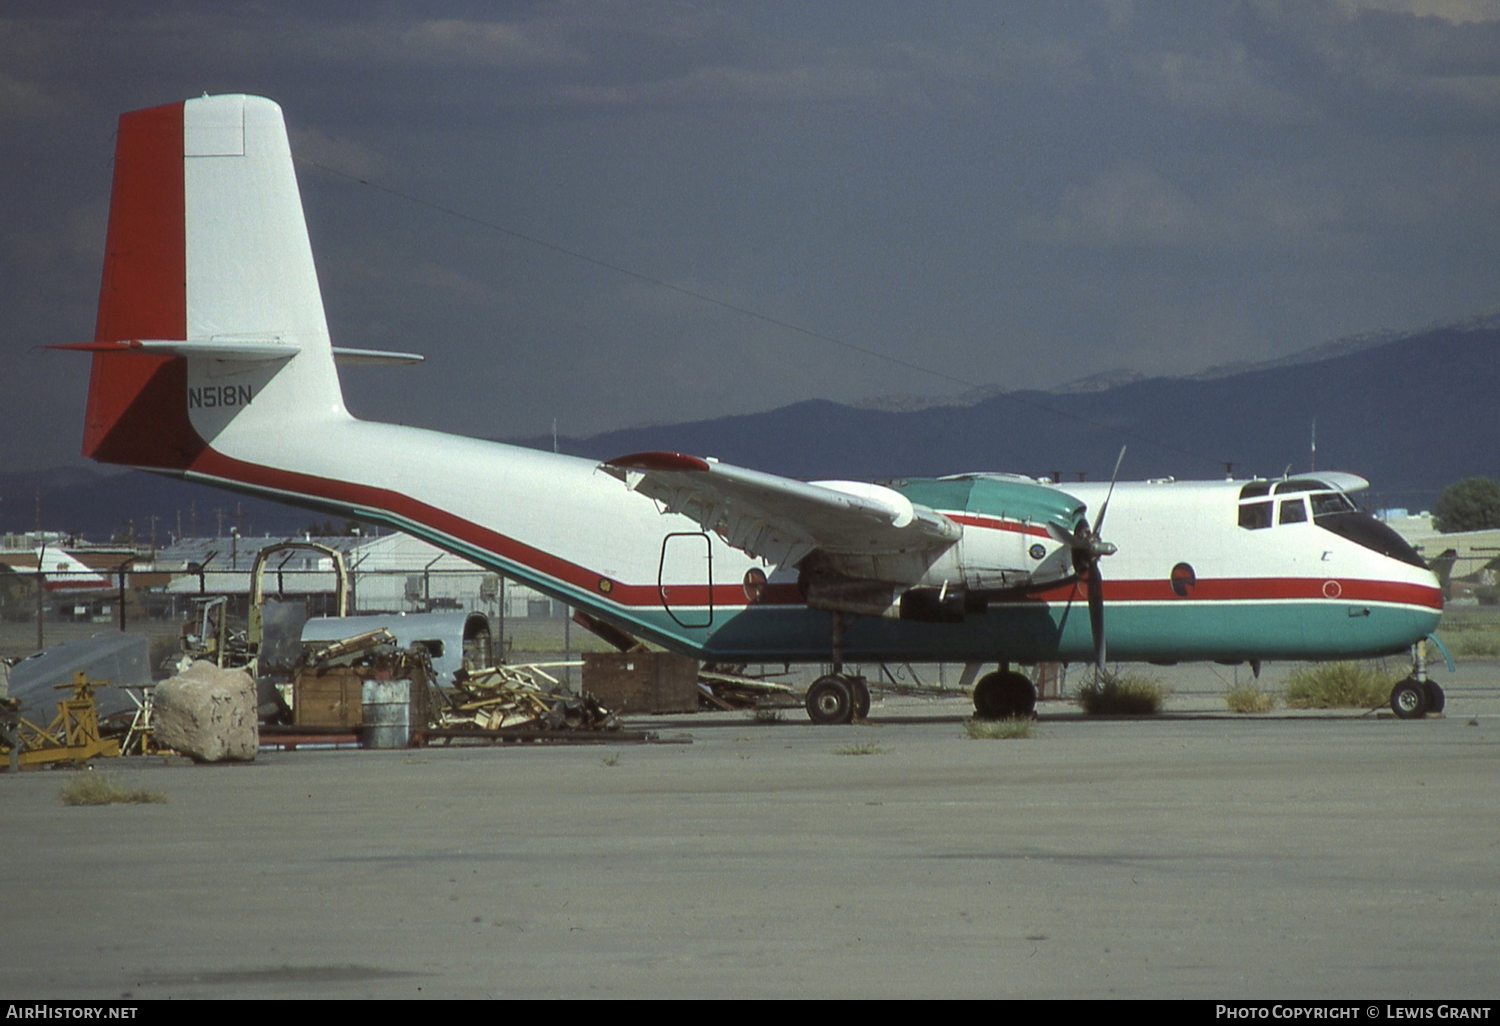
(212, 361)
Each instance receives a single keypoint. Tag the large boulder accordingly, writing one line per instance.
(207, 713)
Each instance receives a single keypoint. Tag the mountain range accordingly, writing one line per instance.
(1413, 413)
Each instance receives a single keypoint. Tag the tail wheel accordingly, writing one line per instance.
(1004, 695)
(830, 700)
(1409, 699)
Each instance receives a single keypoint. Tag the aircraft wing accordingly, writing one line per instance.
(779, 519)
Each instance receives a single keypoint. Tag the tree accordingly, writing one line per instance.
(1472, 504)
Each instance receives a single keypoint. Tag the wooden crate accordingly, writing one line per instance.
(642, 682)
(331, 698)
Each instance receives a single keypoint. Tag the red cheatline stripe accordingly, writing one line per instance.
(215, 464)
(1247, 589)
(996, 524)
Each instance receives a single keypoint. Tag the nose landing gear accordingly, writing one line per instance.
(1416, 696)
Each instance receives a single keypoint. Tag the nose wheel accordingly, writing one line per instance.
(1417, 695)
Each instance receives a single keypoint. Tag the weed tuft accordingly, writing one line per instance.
(860, 748)
(1000, 730)
(1338, 686)
(766, 714)
(85, 788)
(1122, 694)
(612, 759)
(1249, 698)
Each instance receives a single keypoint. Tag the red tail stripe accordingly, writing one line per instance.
(135, 409)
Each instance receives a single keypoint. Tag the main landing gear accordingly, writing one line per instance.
(1003, 695)
(1416, 696)
(838, 697)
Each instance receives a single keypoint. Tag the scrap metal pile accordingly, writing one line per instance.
(503, 697)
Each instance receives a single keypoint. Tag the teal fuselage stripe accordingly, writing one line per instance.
(1022, 632)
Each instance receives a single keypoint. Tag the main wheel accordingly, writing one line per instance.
(830, 700)
(861, 694)
(1436, 700)
(1004, 696)
(1409, 699)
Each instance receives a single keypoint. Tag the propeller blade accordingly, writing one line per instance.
(1096, 613)
(1099, 524)
(1061, 534)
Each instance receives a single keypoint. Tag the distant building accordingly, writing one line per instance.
(389, 573)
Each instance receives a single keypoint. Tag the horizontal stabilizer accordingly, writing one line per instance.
(211, 349)
(372, 357)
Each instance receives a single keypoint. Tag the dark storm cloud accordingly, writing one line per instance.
(1017, 194)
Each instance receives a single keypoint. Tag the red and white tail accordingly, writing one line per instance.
(210, 316)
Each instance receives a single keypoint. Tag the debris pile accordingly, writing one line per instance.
(729, 688)
(330, 678)
(502, 697)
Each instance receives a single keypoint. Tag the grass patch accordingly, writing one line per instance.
(1249, 698)
(1471, 642)
(1121, 694)
(860, 748)
(1338, 686)
(85, 788)
(1000, 730)
(766, 714)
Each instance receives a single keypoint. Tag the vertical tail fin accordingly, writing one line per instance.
(210, 316)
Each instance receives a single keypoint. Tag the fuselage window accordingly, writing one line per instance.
(1183, 579)
(1255, 515)
(1293, 511)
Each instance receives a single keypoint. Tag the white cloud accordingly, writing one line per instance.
(1132, 204)
(723, 84)
(1459, 12)
(343, 154)
(1224, 82)
(22, 99)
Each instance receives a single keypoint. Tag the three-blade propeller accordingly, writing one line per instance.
(1089, 547)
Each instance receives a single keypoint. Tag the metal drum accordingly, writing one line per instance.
(387, 713)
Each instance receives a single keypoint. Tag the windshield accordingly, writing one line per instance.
(1363, 529)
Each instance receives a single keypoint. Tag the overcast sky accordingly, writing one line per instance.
(1012, 194)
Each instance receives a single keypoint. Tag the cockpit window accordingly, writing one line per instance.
(1255, 515)
(1293, 511)
(1331, 502)
(1298, 485)
(1255, 489)
(1363, 529)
